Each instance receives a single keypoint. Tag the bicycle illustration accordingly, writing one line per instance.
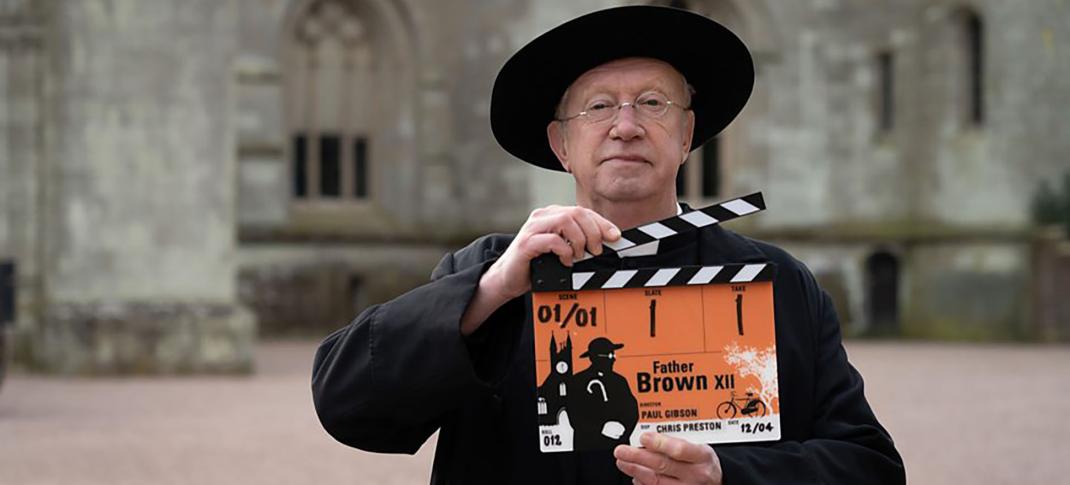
(752, 408)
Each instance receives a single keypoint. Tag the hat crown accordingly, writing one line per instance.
(602, 345)
(530, 84)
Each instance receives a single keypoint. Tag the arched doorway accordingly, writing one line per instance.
(882, 293)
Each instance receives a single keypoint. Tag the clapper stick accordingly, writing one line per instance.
(686, 222)
(548, 274)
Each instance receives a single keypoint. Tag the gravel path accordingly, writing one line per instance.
(959, 413)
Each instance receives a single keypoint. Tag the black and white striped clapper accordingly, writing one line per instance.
(648, 234)
(549, 275)
(656, 277)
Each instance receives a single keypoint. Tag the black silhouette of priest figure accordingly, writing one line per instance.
(601, 407)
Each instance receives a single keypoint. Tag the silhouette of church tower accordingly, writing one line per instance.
(552, 392)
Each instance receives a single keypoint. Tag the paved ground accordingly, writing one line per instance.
(960, 415)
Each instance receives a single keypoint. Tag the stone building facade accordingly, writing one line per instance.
(175, 175)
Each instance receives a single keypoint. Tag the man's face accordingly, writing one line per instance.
(631, 156)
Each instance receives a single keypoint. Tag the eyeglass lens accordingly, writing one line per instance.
(651, 105)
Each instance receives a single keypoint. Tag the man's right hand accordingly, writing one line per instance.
(565, 231)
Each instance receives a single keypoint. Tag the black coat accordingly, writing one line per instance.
(402, 370)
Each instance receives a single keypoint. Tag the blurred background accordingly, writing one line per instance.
(193, 192)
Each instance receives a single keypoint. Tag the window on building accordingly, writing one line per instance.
(700, 177)
(330, 166)
(7, 293)
(711, 168)
(969, 62)
(886, 90)
(332, 87)
(360, 167)
(300, 166)
(975, 66)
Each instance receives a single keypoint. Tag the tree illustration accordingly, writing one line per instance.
(750, 361)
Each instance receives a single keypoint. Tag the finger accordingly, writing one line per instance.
(661, 464)
(645, 476)
(550, 243)
(592, 231)
(560, 222)
(610, 232)
(547, 219)
(636, 481)
(676, 448)
(569, 229)
(638, 472)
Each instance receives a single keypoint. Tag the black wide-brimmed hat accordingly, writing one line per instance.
(530, 84)
(601, 346)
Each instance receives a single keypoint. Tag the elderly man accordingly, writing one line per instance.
(617, 98)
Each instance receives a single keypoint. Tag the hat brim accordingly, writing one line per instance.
(615, 348)
(530, 84)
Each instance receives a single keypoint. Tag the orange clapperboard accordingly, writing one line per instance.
(686, 351)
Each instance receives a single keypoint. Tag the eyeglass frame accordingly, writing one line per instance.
(620, 106)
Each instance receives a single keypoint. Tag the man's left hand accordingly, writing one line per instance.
(665, 460)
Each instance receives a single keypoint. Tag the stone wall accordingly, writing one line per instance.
(138, 208)
(22, 63)
(145, 338)
(976, 290)
(950, 198)
(955, 289)
(298, 290)
(828, 157)
(142, 201)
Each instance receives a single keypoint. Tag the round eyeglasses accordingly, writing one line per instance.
(648, 105)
